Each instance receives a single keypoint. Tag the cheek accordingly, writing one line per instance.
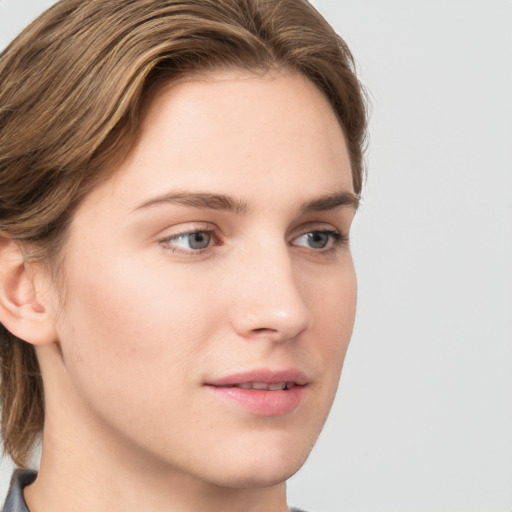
(122, 324)
(134, 341)
(333, 302)
(334, 315)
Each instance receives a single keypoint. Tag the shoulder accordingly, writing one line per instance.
(14, 501)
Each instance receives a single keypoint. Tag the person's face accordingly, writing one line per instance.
(216, 260)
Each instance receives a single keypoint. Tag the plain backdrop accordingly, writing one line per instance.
(423, 419)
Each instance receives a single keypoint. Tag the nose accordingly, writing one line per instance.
(269, 301)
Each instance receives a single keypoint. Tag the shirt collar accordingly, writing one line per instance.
(20, 479)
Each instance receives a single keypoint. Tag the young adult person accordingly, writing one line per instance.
(177, 184)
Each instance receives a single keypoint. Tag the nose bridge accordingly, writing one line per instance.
(270, 300)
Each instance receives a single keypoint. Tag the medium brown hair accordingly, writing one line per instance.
(72, 91)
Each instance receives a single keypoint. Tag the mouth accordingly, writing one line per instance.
(262, 392)
(263, 386)
(263, 379)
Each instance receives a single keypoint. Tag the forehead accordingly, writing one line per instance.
(239, 133)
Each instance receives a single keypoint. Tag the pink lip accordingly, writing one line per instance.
(262, 402)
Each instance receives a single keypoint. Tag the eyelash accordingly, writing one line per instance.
(338, 240)
(166, 242)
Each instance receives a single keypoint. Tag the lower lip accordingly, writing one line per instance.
(261, 402)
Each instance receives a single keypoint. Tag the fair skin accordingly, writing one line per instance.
(141, 343)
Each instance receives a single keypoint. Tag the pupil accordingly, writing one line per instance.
(318, 240)
(199, 240)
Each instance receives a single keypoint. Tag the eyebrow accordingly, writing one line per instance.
(331, 201)
(202, 200)
(209, 201)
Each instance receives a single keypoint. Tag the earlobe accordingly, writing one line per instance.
(23, 309)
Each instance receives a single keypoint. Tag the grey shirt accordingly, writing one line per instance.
(23, 477)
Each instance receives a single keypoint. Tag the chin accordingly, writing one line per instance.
(254, 477)
(263, 465)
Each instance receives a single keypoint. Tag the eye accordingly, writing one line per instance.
(193, 241)
(319, 240)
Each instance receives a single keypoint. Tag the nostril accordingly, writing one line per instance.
(263, 330)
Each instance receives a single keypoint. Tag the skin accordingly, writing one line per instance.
(141, 320)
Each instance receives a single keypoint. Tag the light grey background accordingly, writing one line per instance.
(423, 420)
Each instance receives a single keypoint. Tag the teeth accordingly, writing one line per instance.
(275, 387)
(263, 386)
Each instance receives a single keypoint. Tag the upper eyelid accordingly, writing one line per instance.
(335, 234)
(206, 227)
(190, 232)
(188, 227)
(309, 227)
(173, 236)
(295, 229)
(329, 231)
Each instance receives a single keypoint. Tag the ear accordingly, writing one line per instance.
(25, 311)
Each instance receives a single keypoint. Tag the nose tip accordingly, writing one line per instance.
(274, 311)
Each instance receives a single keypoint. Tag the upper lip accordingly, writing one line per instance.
(263, 375)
